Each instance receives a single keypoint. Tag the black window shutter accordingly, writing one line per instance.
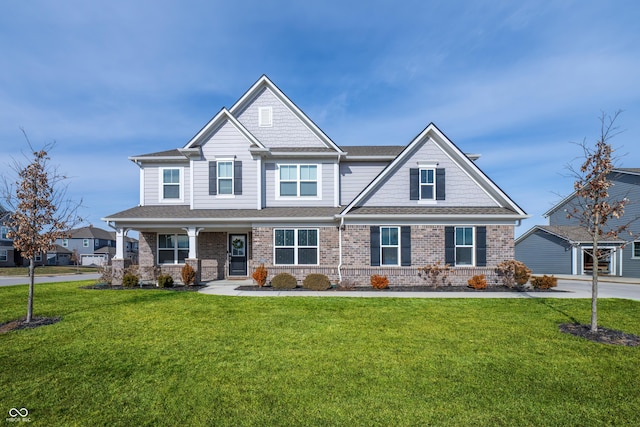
(449, 246)
(481, 246)
(213, 178)
(414, 184)
(375, 245)
(237, 177)
(405, 242)
(440, 184)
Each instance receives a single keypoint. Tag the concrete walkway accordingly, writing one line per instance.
(571, 287)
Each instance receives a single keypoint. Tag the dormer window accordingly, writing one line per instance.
(265, 117)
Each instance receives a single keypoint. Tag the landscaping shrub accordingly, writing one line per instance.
(284, 281)
(188, 275)
(165, 281)
(260, 275)
(130, 280)
(478, 282)
(513, 273)
(379, 282)
(435, 274)
(316, 282)
(544, 282)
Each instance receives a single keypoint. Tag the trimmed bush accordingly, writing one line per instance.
(130, 280)
(188, 275)
(284, 281)
(513, 273)
(165, 281)
(478, 282)
(544, 282)
(379, 282)
(316, 282)
(260, 275)
(435, 274)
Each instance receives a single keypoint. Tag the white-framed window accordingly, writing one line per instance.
(65, 243)
(636, 250)
(296, 246)
(3, 232)
(427, 184)
(390, 245)
(225, 176)
(85, 243)
(38, 257)
(465, 248)
(298, 180)
(173, 248)
(265, 117)
(170, 182)
(3, 256)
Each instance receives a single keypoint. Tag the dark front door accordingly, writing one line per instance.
(237, 254)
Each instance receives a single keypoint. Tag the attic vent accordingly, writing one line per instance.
(265, 116)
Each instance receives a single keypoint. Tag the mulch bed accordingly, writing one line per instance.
(15, 325)
(602, 335)
(403, 289)
(150, 287)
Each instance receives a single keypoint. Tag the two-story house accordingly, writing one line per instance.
(7, 252)
(93, 245)
(260, 183)
(564, 246)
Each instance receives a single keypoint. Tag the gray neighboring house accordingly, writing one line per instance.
(261, 183)
(93, 245)
(7, 252)
(557, 248)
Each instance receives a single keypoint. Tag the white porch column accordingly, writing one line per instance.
(121, 233)
(193, 232)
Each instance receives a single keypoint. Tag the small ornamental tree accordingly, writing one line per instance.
(593, 207)
(41, 212)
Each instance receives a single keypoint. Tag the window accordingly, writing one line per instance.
(85, 243)
(170, 183)
(38, 257)
(225, 177)
(172, 248)
(296, 247)
(636, 250)
(427, 184)
(65, 243)
(389, 245)
(3, 232)
(265, 117)
(3, 256)
(298, 180)
(464, 246)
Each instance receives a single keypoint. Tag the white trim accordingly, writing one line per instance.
(295, 246)
(233, 166)
(633, 250)
(336, 184)
(397, 246)
(473, 246)
(223, 114)
(191, 184)
(575, 259)
(176, 249)
(142, 181)
(318, 181)
(259, 182)
(265, 117)
(161, 198)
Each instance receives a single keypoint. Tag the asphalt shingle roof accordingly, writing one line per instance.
(573, 233)
(184, 212)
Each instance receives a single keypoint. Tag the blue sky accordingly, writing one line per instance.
(514, 81)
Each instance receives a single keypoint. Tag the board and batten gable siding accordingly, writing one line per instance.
(545, 253)
(287, 129)
(152, 185)
(327, 185)
(460, 189)
(226, 143)
(355, 176)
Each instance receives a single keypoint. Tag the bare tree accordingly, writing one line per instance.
(41, 211)
(593, 207)
(75, 259)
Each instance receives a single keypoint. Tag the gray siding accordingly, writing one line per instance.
(544, 253)
(287, 130)
(326, 190)
(461, 190)
(355, 176)
(630, 265)
(226, 142)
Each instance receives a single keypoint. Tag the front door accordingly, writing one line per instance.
(237, 254)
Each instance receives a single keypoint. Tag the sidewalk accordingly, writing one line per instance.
(570, 287)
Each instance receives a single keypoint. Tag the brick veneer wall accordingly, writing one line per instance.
(212, 251)
(147, 254)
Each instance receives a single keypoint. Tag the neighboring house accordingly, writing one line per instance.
(7, 252)
(59, 256)
(93, 245)
(559, 248)
(262, 184)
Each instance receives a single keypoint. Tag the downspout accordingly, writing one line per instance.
(340, 248)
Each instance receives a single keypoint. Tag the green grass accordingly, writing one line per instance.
(46, 270)
(124, 358)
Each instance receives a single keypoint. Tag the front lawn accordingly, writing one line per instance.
(46, 270)
(171, 358)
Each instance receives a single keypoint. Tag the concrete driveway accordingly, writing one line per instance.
(24, 280)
